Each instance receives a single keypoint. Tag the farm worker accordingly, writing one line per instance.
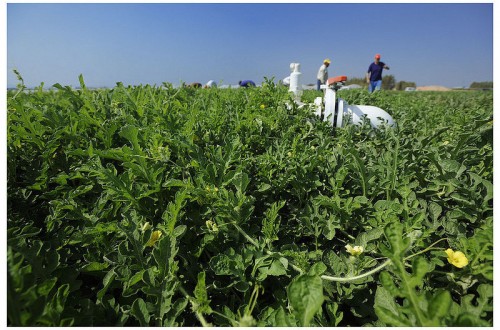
(374, 74)
(246, 83)
(323, 73)
(195, 85)
(210, 83)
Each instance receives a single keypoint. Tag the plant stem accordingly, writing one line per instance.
(242, 232)
(425, 250)
(199, 315)
(353, 278)
(333, 278)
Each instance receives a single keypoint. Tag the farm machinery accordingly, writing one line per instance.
(336, 110)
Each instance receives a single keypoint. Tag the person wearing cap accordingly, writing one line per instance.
(323, 73)
(195, 85)
(374, 74)
(246, 83)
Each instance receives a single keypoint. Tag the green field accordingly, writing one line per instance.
(161, 206)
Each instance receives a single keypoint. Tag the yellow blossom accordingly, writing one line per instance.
(212, 226)
(354, 251)
(457, 258)
(145, 226)
(262, 106)
(155, 236)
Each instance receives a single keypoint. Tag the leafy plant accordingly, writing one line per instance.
(161, 206)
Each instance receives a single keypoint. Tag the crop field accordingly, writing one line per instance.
(161, 206)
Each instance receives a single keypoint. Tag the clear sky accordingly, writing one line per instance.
(446, 44)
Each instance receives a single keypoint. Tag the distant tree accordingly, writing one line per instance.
(401, 85)
(388, 82)
(482, 84)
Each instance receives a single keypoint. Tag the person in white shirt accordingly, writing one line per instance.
(210, 83)
(323, 73)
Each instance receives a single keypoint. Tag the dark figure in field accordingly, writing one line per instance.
(374, 74)
(246, 83)
(195, 85)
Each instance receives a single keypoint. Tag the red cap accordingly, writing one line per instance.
(377, 56)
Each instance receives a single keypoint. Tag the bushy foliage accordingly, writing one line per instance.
(157, 206)
(482, 85)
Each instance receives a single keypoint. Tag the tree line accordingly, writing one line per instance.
(389, 83)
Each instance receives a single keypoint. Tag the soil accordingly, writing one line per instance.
(433, 88)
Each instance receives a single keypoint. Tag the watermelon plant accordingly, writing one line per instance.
(161, 206)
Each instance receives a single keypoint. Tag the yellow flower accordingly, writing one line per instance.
(457, 258)
(216, 189)
(354, 251)
(212, 226)
(155, 236)
(262, 106)
(145, 226)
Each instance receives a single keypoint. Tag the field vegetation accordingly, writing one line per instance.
(161, 206)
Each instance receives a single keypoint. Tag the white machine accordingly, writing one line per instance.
(295, 85)
(337, 111)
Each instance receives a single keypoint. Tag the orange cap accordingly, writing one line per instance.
(377, 56)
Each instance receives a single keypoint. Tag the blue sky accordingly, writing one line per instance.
(431, 44)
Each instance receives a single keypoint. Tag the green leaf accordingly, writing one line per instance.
(174, 211)
(398, 244)
(223, 264)
(58, 302)
(95, 266)
(332, 310)
(136, 278)
(140, 311)
(439, 305)
(241, 181)
(276, 269)
(44, 288)
(279, 318)
(383, 298)
(420, 267)
(82, 83)
(131, 133)
(164, 255)
(107, 281)
(271, 223)
(452, 166)
(318, 269)
(242, 286)
(388, 282)
(305, 294)
(177, 308)
(435, 210)
(391, 318)
(179, 230)
(200, 293)
(264, 187)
